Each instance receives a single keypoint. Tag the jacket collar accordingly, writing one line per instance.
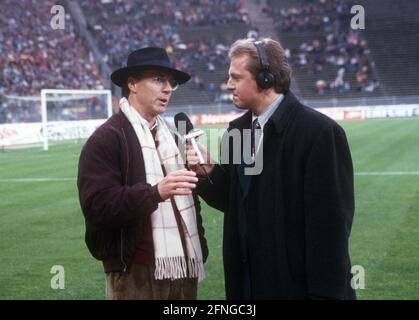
(123, 119)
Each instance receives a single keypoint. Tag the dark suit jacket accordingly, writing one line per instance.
(300, 209)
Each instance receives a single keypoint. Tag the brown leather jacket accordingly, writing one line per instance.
(114, 196)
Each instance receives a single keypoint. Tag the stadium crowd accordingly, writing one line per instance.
(151, 24)
(187, 13)
(34, 56)
(334, 44)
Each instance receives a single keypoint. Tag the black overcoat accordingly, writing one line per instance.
(300, 209)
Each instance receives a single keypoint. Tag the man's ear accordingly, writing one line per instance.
(132, 84)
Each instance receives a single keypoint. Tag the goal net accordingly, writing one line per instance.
(72, 114)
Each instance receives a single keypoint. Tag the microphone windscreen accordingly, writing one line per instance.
(181, 119)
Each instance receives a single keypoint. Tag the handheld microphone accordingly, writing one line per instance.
(185, 127)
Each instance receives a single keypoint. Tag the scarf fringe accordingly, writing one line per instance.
(196, 268)
(175, 268)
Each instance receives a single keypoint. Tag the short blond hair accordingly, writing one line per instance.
(278, 63)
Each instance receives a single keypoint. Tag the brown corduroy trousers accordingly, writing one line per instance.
(139, 284)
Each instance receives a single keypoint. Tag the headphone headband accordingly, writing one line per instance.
(264, 62)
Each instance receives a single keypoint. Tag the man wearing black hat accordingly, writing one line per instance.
(142, 219)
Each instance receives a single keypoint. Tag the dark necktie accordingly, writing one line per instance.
(153, 133)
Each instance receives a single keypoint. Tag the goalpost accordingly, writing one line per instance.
(68, 119)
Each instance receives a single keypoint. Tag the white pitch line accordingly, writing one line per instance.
(37, 179)
(388, 173)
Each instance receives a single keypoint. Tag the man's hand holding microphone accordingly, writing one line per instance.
(197, 156)
(199, 161)
(195, 163)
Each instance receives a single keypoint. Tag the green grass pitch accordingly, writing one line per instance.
(41, 224)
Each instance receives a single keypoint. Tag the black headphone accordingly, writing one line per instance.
(264, 79)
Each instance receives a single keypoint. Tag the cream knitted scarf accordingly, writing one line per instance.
(169, 257)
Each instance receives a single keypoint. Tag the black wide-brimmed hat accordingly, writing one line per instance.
(147, 58)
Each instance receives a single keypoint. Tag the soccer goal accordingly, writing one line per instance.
(73, 114)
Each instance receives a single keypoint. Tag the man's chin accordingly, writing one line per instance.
(161, 109)
(238, 105)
